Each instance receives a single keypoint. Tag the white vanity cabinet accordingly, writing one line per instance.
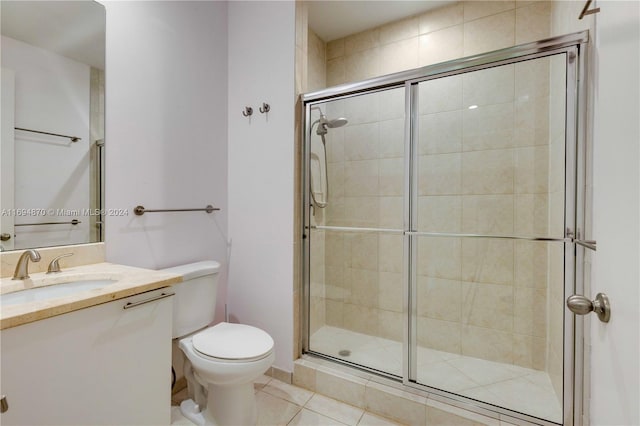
(99, 365)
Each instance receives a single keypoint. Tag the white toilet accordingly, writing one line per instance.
(222, 361)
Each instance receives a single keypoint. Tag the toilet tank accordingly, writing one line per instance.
(194, 304)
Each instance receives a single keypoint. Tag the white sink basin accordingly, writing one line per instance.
(52, 291)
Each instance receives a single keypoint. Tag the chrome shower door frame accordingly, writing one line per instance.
(574, 46)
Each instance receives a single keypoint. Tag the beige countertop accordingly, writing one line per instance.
(129, 281)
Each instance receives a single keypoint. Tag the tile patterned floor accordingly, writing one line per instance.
(282, 404)
(517, 388)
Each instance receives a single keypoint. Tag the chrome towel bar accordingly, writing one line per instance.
(140, 210)
(73, 138)
(71, 222)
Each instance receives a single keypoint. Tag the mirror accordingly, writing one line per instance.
(52, 131)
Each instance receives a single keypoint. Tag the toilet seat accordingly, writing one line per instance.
(233, 342)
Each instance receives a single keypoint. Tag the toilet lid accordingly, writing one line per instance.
(233, 341)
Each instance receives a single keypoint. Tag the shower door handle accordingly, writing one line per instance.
(580, 305)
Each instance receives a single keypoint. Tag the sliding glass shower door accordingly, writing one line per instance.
(438, 224)
(356, 238)
(488, 283)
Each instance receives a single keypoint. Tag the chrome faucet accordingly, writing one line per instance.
(22, 267)
(54, 266)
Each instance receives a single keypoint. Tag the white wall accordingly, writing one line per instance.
(166, 132)
(615, 352)
(261, 166)
(51, 95)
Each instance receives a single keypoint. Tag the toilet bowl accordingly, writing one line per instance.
(222, 361)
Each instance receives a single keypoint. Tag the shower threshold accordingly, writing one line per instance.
(513, 387)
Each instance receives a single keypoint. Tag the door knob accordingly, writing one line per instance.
(5, 237)
(580, 305)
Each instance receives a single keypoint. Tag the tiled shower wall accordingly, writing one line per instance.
(451, 32)
(473, 167)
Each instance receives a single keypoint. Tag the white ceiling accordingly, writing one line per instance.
(331, 20)
(74, 29)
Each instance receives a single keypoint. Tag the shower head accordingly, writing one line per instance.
(338, 122)
(324, 124)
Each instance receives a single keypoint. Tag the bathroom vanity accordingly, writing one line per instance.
(96, 356)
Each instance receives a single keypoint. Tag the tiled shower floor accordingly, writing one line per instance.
(516, 388)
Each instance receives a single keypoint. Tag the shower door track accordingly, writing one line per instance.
(575, 48)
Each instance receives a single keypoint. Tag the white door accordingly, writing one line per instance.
(615, 358)
(7, 158)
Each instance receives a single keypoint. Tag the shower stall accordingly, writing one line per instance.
(441, 212)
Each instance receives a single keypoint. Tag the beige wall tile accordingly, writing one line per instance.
(391, 176)
(441, 17)
(362, 109)
(488, 261)
(439, 335)
(531, 121)
(440, 213)
(362, 65)
(440, 257)
(401, 406)
(440, 174)
(488, 305)
(335, 48)
(337, 285)
(390, 292)
(489, 86)
(533, 22)
(392, 138)
(531, 264)
(361, 211)
(477, 9)
(361, 41)
(361, 178)
(488, 214)
(439, 95)
(393, 101)
(391, 325)
(488, 172)
(342, 387)
(335, 212)
(316, 313)
(485, 343)
(391, 212)
(440, 46)
(529, 351)
(532, 214)
(336, 73)
(439, 299)
(490, 33)
(556, 214)
(335, 144)
(399, 30)
(391, 257)
(532, 170)
(532, 77)
(364, 251)
(335, 313)
(364, 288)
(361, 142)
(335, 250)
(316, 65)
(398, 56)
(489, 127)
(530, 311)
(361, 319)
(440, 133)
(304, 376)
